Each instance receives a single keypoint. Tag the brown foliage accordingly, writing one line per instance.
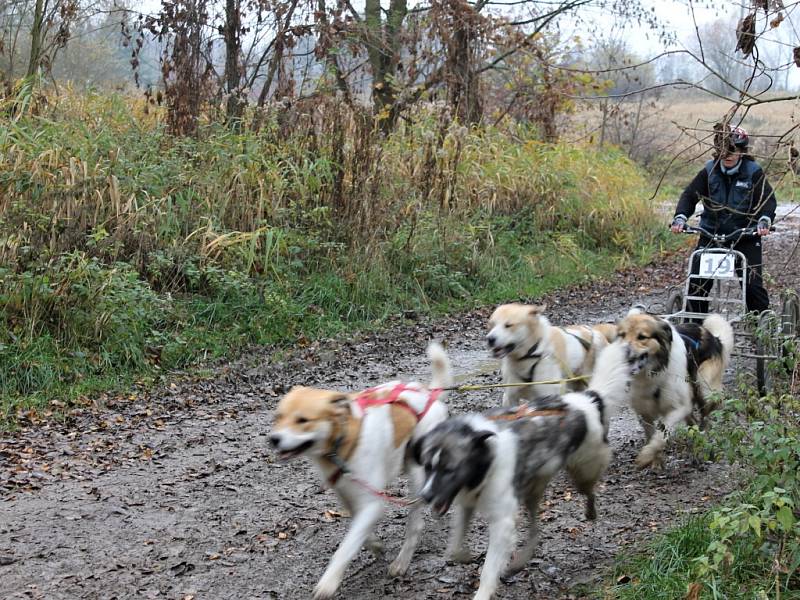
(746, 34)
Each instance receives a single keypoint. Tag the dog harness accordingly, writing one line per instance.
(532, 353)
(690, 340)
(524, 412)
(411, 396)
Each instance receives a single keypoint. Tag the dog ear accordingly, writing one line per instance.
(480, 437)
(340, 404)
(537, 309)
(665, 331)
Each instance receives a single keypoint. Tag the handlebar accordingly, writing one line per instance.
(720, 237)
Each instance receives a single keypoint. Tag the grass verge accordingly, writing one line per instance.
(749, 546)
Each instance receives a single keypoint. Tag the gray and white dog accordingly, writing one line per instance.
(495, 461)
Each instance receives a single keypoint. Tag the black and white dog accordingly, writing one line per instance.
(494, 462)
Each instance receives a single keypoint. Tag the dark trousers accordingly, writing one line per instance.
(755, 294)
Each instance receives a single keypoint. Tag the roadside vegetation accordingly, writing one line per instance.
(747, 547)
(127, 252)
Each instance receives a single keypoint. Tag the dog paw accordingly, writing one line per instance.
(462, 556)
(375, 546)
(648, 457)
(399, 566)
(515, 566)
(325, 589)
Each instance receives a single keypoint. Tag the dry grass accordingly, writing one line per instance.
(674, 134)
(124, 250)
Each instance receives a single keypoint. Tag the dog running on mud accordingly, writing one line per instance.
(674, 368)
(359, 443)
(531, 349)
(497, 461)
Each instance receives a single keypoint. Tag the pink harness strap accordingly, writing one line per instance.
(371, 397)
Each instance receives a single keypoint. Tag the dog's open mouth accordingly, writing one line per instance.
(289, 454)
(501, 351)
(440, 508)
(638, 363)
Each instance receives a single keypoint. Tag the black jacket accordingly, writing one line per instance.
(731, 201)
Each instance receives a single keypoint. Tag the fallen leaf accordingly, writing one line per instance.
(694, 591)
(181, 568)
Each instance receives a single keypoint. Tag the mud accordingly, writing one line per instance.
(176, 494)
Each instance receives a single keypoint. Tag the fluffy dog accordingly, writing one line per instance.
(494, 462)
(673, 368)
(531, 349)
(359, 443)
(708, 350)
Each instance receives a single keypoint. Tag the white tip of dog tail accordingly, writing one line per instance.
(440, 366)
(721, 329)
(612, 374)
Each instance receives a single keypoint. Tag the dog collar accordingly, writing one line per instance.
(693, 342)
(341, 466)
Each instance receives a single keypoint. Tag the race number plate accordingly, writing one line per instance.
(717, 265)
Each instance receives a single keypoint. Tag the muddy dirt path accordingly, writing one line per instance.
(176, 494)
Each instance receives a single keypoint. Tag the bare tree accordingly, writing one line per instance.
(50, 31)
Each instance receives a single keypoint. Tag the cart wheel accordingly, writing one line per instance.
(790, 314)
(767, 347)
(674, 301)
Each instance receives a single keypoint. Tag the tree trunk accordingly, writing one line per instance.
(37, 38)
(233, 76)
(603, 122)
(383, 44)
(635, 129)
(330, 57)
(463, 90)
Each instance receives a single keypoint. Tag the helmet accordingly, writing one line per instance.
(739, 137)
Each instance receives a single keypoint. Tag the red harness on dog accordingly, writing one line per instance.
(379, 396)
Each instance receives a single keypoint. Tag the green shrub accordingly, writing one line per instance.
(126, 251)
(749, 547)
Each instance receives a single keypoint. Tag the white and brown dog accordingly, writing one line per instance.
(673, 367)
(531, 349)
(359, 444)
